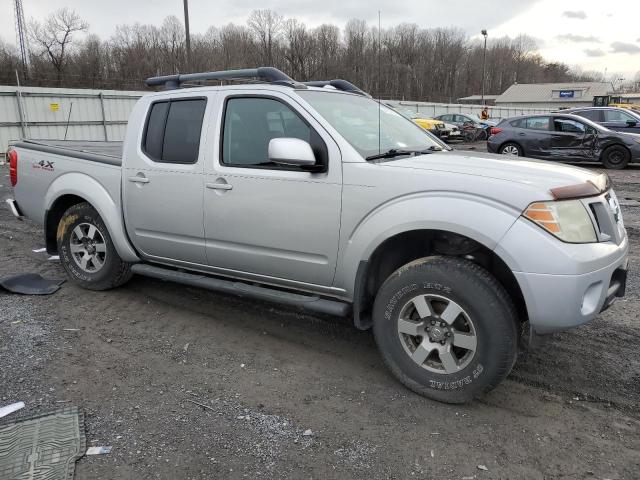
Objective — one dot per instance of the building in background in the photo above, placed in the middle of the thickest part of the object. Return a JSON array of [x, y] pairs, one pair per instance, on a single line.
[[477, 100], [553, 95]]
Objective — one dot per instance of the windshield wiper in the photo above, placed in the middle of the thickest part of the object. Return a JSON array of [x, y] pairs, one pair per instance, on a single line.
[[396, 152]]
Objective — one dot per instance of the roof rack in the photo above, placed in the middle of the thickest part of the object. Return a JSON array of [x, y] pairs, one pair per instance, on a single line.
[[267, 74], [338, 84]]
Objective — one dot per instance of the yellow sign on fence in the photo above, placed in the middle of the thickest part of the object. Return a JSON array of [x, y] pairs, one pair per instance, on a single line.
[[54, 107]]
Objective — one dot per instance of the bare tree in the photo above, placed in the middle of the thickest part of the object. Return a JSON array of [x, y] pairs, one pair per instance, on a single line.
[[266, 25], [54, 36]]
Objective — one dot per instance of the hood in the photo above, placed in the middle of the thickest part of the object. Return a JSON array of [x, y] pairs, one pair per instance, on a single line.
[[538, 175]]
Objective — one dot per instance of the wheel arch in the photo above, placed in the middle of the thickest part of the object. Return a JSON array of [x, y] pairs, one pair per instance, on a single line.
[[65, 192], [412, 245]]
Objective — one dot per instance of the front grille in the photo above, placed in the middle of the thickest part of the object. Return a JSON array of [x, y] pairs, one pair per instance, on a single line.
[[607, 217]]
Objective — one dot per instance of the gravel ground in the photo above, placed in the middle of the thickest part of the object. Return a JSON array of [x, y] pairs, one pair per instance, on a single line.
[[187, 384]]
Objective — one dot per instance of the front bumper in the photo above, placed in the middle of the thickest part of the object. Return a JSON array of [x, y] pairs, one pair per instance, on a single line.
[[560, 302]]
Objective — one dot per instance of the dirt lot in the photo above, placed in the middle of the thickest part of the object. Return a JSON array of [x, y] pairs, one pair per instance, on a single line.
[[135, 359]]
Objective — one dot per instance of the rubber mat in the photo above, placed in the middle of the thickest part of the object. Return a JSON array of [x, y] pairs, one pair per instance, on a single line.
[[30, 284], [42, 447]]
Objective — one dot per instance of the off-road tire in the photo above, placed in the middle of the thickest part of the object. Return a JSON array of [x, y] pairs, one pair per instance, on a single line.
[[113, 273], [487, 304], [616, 157]]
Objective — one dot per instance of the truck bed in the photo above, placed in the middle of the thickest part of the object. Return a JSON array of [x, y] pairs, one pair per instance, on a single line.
[[103, 152]]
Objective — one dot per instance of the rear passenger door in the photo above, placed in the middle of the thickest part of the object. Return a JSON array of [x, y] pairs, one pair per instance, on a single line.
[[163, 182], [534, 135]]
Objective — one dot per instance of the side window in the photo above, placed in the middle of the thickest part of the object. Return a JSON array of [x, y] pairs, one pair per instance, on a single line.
[[172, 133], [568, 126], [520, 123], [617, 116], [251, 122], [591, 115], [537, 123]]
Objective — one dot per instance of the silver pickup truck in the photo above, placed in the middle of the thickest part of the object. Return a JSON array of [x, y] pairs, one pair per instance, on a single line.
[[315, 195]]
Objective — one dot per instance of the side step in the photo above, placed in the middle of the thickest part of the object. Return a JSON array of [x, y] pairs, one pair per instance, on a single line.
[[308, 302]]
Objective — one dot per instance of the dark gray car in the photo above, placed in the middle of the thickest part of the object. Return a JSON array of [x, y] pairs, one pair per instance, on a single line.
[[564, 137], [614, 118]]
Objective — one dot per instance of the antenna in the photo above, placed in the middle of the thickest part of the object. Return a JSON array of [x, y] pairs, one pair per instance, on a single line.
[[379, 94]]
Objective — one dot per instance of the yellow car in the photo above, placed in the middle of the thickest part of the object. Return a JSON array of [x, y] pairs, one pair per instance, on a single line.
[[437, 127]]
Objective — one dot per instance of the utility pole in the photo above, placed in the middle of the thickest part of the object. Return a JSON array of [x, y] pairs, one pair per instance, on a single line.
[[484, 63], [186, 28], [21, 38]]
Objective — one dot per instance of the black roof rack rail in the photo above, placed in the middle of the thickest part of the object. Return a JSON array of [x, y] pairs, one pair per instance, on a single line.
[[338, 84], [267, 74]]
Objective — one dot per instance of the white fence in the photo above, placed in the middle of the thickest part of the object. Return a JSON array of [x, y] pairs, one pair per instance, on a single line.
[[63, 113], [430, 110], [79, 114]]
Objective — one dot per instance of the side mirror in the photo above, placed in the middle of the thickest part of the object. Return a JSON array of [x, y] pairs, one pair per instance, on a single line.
[[631, 123], [291, 152]]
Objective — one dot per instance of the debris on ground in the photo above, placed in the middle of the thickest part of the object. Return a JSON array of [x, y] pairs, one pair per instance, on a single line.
[[9, 409], [98, 450]]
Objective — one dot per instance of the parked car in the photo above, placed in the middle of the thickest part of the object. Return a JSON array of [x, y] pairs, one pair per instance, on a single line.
[[614, 118], [436, 127], [454, 132], [471, 128], [564, 137], [322, 199]]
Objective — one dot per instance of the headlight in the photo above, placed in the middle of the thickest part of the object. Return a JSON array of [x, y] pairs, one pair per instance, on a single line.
[[567, 219]]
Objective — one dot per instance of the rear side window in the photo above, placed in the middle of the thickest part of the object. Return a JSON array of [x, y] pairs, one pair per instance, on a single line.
[[537, 123], [172, 133], [594, 115]]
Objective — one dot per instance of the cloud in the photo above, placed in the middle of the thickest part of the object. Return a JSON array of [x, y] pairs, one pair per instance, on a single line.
[[579, 14], [622, 47], [596, 52], [570, 37]]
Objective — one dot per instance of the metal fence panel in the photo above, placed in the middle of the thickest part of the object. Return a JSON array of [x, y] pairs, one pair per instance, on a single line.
[[59, 113]]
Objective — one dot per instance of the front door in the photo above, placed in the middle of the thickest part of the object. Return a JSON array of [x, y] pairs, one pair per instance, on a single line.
[[567, 140], [263, 220], [621, 121], [163, 183]]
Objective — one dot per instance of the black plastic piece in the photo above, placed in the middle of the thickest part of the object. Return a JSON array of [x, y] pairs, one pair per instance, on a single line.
[[266, 74], [338, 84], [30, 284], [308, 302]]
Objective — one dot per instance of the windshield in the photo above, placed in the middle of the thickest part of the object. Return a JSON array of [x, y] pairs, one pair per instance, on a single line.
[[356, 119]]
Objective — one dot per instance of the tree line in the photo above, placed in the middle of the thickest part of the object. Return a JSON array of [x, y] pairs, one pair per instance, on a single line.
[[405, 61]]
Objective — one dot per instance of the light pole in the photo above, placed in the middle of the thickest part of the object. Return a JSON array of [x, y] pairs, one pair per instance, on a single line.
[[188, 36], [484, 62]]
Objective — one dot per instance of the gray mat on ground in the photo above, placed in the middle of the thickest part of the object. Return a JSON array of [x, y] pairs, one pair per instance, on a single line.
[[30, 284], [42, 447]]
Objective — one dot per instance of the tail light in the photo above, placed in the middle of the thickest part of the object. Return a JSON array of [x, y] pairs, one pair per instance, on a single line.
[[495, 130], [13, 167]]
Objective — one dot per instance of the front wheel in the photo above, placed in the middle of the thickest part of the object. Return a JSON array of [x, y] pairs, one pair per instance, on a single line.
[[446, 328], [616, 157], [87, 252]]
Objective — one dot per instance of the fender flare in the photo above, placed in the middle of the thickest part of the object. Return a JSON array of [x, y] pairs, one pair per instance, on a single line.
[[478, 218], [94, 193]]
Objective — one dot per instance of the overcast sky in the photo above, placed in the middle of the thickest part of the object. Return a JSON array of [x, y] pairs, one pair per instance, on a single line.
[[591, 34]]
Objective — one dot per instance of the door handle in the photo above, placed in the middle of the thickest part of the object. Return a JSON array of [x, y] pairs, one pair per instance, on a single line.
[[219, 186], [137, 179], [522, 134]]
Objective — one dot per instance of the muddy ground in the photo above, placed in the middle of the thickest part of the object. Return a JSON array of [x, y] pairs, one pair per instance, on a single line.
[[141, 358]]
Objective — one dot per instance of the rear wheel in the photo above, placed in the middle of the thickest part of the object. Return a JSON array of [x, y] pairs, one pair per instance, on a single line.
[[511, 149], [616, 157], [446, 328], [87, 252]]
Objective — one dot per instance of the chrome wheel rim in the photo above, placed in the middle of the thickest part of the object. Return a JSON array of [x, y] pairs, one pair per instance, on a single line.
[[437, 334], [510, 150], [88, 248]]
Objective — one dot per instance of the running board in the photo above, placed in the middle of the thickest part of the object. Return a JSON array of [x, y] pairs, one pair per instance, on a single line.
[[308, 302]]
